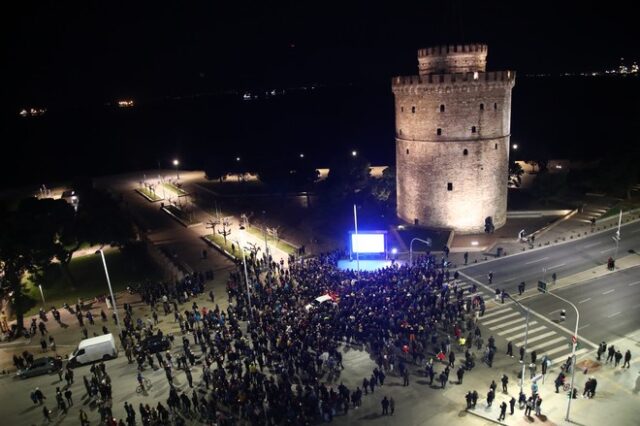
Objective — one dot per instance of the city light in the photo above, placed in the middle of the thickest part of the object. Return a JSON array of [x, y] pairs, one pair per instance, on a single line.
[[514, 146], [301, 155], [176, 162], [474, 243], [237, 158], [394, 250], [354, 153]]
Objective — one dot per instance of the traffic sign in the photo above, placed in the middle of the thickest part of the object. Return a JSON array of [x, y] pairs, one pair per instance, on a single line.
[[574, 339]]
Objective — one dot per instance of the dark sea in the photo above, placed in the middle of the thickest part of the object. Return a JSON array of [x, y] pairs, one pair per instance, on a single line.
[[552, 117]]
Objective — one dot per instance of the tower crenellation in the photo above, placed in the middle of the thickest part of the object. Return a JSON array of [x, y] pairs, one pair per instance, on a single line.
[[452, 139]]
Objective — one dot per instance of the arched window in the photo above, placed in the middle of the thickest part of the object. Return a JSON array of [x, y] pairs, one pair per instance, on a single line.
[[495, 106], [496, 146], [465, 152], [449, 186], [481, 107], [473, 129], [413, 110], [442, 108], [439, 132], [401, 109], [407, 152]]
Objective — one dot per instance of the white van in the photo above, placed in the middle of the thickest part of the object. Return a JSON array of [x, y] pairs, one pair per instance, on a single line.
[[94, 349], [319, 301]]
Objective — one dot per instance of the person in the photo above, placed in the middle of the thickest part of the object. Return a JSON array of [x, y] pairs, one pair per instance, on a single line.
[[521, 354], [512, 404], [521, 288], [466, 257], [460, 374], [84, 419], [538, 405], [610, 353], [601, 350], [385, 406], [618, 356], [47, 414], [544, 363], [510, 348], [140, 380], [530, 404], [467, 398], [559, 381], [627, 359], [68, 395], [554, 277], [534, 357], [405, 378], [490, 397], [505, 381], [503, 411], [490, 276]]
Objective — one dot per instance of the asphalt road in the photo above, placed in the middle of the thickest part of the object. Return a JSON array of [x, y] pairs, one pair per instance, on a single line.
[[562, 259], [609, 307]]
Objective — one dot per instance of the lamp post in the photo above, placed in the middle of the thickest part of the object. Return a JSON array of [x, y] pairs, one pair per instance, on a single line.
[[113, 299], [526, 335], [42, 295], [246, 275], [411, 248], [617, 236], [177, 163], [574, 340]]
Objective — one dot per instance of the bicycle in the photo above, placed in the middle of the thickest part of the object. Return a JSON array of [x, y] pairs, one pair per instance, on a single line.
[[143, 385]]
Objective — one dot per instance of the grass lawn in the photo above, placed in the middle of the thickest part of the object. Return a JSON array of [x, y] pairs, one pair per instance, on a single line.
[[129, 266], [625, 206], [235, 250], [281, 245], [152, 195], [181, 214], [171, 187]]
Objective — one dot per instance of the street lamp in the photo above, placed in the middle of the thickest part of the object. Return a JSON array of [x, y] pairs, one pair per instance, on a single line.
[[301, 155], [514, 146], [246, 275], [42, 294], [177, 163], [113, 299], [427, 242], [354, 153], [574, 340]]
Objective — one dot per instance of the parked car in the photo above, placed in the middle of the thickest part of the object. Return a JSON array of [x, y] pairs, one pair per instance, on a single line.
[[156, 343], [40, 366]]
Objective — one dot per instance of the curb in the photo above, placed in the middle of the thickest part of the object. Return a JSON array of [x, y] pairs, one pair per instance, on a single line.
[[151, 200], [490, 419], [182, 222], [219, 248]]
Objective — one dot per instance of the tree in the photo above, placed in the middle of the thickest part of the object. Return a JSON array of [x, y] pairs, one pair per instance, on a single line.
[[383, 189], [348, 177], [549, 185], [515, 174]]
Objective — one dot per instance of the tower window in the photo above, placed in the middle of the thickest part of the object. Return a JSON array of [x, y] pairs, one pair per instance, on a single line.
[[495, 106], [442, 108], [413, 110], [407, 152], [465, 152], [473, 129], [449, 186], [439, 132], [496, 146], [401, 109], [481, 107]]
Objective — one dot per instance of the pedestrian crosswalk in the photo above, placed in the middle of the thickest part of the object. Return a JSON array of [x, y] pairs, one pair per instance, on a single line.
[[510, 324]]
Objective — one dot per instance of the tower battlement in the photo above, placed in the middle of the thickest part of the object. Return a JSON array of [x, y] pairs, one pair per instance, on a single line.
[[476, 77], [450, 59]]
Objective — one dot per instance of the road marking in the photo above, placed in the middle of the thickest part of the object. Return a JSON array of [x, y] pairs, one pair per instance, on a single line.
[[609, 291], [554, 350], [493, 314], [540, 337], [562, 359], [521, 335], [547, 344], [553, 312], [506, 324], [511, 330], [593, 244], [634, 283], [613, 315], [500, 319], [637, 230], [557, 266], [584, 326], [536, 261], [609, 249], [585, 300]]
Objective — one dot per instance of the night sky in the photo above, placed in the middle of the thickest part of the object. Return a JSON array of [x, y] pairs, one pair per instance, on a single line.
[[61, 52]]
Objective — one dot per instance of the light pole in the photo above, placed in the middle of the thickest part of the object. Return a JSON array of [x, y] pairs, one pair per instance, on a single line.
[[617, 236], [574, 340], [177, 163], [44, 304], [411, 248], [526, 335], [246, 275], [113, 299]]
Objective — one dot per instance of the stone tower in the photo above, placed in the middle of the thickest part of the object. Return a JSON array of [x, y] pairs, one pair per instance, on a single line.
[[452, 140]]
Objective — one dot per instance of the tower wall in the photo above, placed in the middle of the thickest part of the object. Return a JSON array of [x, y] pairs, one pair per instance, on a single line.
[[452, 148]]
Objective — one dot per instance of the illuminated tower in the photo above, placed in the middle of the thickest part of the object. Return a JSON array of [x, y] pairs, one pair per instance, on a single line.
[[452, 140]]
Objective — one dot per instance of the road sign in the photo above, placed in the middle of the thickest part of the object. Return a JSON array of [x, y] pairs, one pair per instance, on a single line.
[[542, 286], [574, 339]]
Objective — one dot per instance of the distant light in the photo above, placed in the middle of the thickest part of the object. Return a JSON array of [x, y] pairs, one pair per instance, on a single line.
[[394, 250], [176, 162], [474, 243], [400, 227], [558, 166], [237, 158], [514, 146], [476, 75], [301, 155], [354, 153]]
